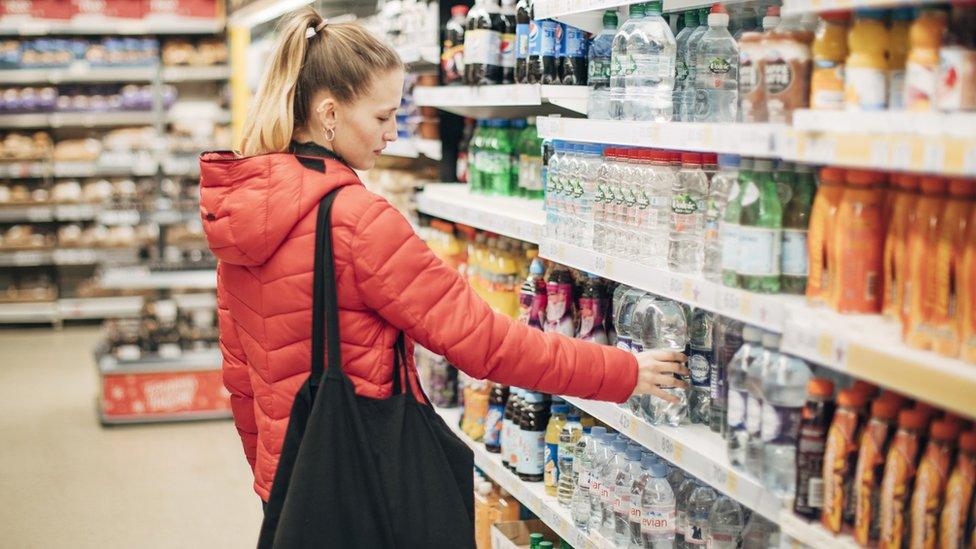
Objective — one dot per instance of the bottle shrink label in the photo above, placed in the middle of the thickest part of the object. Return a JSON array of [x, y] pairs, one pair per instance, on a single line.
[[483, 47]]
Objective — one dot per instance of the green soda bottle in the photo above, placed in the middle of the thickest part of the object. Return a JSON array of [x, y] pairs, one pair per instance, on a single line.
[[518, 126], [504, 152], [530, 161], [475, 176], [535, 539], [489, 145], [729, 227], [796, 221], [760, 231]]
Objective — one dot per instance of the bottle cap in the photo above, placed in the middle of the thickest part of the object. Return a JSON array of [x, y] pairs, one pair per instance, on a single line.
[[902, 14], [537, 268], [718, 16], [730, 160], [659, 470], [912, 419], [870, 13], [560, 409], [832, 175], [762, 165], [484, 488], [647, 460], [610, 19], [964, 188], [652, 7], [691, 18], [636, 10], [820, 387], [885, 409], [572, 416], [620, 446], [770, 340], [545, 545], [926, 409], [459, 10], [598, 431], [895, 397], [751, 334], [864, 177], [709, 159], [633, 454], [535, 537], [691, 158], [944, 430], [967, 441], [869, 389], [851, 399], [905, 181]]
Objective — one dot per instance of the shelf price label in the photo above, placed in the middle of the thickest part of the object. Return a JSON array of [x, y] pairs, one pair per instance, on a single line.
[[628, 423], [670, 449]]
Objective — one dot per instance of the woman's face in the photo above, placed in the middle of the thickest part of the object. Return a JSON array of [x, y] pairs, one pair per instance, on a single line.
[[364, 126]]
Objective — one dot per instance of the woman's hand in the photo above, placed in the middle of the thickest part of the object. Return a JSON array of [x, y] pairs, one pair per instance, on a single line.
[[655, 371]]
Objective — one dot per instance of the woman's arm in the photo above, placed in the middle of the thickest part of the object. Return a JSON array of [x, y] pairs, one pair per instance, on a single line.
[[237, 376], [400, 278]]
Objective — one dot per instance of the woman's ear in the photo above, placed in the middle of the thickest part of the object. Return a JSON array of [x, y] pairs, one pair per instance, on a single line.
[[325, 113]]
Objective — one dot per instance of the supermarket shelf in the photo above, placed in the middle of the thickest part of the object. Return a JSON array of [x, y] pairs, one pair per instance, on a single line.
[[111, 26], [261, 11], [77, 119], [757, 140], [141, 278], [588, 14], [78, 72], [187, 361], [99, 307], [514, 217], [531, 495], [504, 101], [161, 418], [797, 532], [693, 448], [67, 256], [219, 117], [765, 311], [798, 7], [871, 348], [44, 312], [414, 148], [196, 74], [419, 56], [139, 166], [11, 213], [24, 169]]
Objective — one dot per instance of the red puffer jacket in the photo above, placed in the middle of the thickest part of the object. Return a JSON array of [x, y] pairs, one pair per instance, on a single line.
[[259, 216]]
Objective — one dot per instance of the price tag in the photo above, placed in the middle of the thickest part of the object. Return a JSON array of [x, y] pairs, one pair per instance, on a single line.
[[934, 158], [879, 152], [901, 153], [38, 214], [745, 304], [624, 420], [670, 449], [720, 476], [731, 301], [825, 346], [26, 259], [75, 257]]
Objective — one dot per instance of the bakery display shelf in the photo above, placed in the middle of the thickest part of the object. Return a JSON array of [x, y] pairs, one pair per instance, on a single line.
[[78, 72], [504, 101], [185, 361], [765, 311], [693, 448], [221, 116], [29, 312], [756, 140], [18, 213], [76, 119], [99, 307], [532, 495], [797, 532], [24, 169], [514, 217], [141, 166], [179, 73], [142, 278], [110, 26]]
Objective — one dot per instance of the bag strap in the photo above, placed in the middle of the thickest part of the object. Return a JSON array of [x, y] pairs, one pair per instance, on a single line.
[[325, 307]]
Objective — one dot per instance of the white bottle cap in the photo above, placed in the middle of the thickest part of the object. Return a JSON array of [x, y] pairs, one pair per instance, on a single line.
[[770, 22], [718, 20]]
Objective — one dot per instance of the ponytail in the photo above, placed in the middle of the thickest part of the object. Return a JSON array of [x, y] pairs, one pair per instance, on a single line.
[[310, 56]]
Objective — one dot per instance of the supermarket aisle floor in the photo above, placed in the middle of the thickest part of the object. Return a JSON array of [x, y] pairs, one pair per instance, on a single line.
[[68, 482]]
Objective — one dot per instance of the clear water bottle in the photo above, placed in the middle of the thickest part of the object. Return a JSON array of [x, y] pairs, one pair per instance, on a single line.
[[552, 185], [682, 496], [700, 504], [630, 471], [681, 61], [658, 510], [691, 61], [649, 83], [588, 165], [784, 394], [660, 186], [601, 457], [586, 447], [760, 533], [757, 372], [598, 68], [648, 459], [724, 524], [602, 200], [738, 395], [569, 436], [719, 191], [727, 338], [686, 246], [620, 63], [570, 176], [630, 182], [614, 473], [666, 327], [717, 74], [700, 363]]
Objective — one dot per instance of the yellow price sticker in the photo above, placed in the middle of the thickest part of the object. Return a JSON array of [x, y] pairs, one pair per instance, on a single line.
[[732, 484], [825, 346]]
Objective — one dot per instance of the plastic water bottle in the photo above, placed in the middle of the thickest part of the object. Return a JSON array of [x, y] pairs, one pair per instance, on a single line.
[[628, 473], [552, 183], [660, 186], [586, 189], [658, 510], [700, 363], [731, 225], [738, 395], [681, 61], [598, 68], [649, 82], [613, 474], [757, 372], [569, 435], [700, 504], [620, 63], [784, 394], [727, 338], [760, 533], [691, 61], [719, 191], [601, 456], [682, 496], [686, 248], [586, 447], [635, 540], [717, 73], [665, 327], [724, 524]]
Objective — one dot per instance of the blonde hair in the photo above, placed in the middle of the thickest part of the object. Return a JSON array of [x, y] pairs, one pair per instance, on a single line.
[[310, 56]]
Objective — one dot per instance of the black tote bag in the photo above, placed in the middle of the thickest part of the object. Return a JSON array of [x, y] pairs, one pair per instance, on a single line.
[[356, 472]]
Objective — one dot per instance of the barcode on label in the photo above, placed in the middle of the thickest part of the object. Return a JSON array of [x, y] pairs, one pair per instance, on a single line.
[[815, 497]]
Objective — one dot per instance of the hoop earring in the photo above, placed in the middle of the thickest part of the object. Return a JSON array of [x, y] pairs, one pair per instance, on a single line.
[[330, 134]]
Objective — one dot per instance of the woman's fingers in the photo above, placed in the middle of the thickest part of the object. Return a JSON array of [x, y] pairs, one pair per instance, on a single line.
[[671, 368], [664, 395], [667, 380], [667, 356]]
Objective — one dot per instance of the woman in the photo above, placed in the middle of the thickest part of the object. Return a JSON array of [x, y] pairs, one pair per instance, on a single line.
[[326, 106]]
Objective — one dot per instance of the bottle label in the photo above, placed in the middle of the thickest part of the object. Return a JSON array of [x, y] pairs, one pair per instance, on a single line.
[[698, 365], [645, 65], [551, 38], [778, 76], [482, 46], [794, 258], [729, 235], [694, 534], [747, 77], [575, 43], [621, 501], [591, 318], [623, 343], [759, 251], [957, 79], [722, 538], [559, 314], [737, 409], [493, 424], [827, 86], [683, 204], [452, 61], [585, 480], [780, 424], [754, 416], [719, 65], [550, 473], [920, 84], [507, 46], [522, 40], [533, 445], [864, 88], [658, 520], [598, 72]]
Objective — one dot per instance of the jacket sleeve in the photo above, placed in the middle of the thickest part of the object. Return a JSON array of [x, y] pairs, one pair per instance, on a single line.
[[400, 278], [237, 377]]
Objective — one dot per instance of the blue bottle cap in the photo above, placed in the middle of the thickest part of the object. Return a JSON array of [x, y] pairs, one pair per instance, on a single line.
[[620, 446], [633, 454], [573, 416], [598, 431], [871, 13], [730, 160], [537, 268], [659, 470], [560, 409]]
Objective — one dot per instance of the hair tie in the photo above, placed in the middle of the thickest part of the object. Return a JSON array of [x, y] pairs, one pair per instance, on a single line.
[[322, 25], [312, 31]]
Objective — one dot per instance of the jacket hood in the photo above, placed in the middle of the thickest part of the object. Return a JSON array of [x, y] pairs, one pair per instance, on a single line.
[[249, 205]]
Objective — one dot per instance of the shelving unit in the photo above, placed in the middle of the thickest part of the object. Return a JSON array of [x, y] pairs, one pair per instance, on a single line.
[[588, 14], [797, 532], [141, 278], [504, 101], [517, 218], [414, 147], [798, 7]]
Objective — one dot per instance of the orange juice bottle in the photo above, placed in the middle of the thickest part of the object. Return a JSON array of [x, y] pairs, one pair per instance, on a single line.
[[958, 495], [485, 509], [930, 483], [943, 324], [829, 54], [896, 244], [859, 245], [922, 65], [820, 236], [901, 20], [870, 468], [966, 298], [899, 478], [923, 239], [840, 459], [866, 70]]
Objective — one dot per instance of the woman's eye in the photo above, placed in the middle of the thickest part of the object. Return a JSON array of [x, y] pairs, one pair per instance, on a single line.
[[383, 118]]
